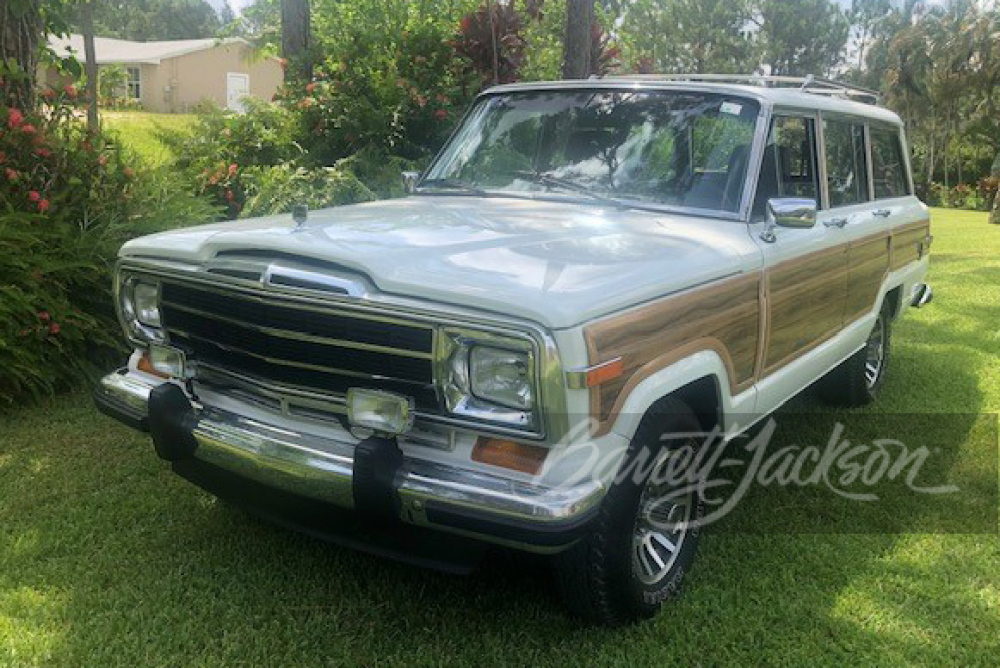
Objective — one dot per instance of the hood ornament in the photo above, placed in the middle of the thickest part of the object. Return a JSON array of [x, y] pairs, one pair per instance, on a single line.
[[300, 212]]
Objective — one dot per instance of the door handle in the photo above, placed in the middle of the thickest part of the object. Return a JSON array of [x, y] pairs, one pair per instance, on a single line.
[[881, 213], [835, 222]]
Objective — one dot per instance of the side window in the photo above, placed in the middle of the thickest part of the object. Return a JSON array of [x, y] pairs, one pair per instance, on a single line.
[[789, 165], [888, 169], [846, 169]]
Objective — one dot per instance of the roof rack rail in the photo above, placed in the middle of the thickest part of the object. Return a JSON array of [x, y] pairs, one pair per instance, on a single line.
[[808, 84]]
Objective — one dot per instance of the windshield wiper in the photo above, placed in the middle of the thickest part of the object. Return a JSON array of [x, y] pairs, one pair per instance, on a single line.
[[551, 181], [453, 184]]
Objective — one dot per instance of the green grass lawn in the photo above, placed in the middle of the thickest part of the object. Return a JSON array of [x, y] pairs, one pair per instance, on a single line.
[[107, 559], [138, 130]]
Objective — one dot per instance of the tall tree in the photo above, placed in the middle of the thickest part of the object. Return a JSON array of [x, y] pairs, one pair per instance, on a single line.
[[577, 47], [296, 37], [22, 29], [697, 36], [801, 37], [152, 20], [90, 66]]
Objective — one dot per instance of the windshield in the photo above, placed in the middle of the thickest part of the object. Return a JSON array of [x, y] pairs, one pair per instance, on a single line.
[[680, 149]]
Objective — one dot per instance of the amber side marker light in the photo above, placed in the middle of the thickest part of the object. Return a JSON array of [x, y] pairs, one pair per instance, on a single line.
[[509, 454]]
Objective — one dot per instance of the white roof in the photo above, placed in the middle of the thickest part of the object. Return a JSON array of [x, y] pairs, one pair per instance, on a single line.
[[120, 51]]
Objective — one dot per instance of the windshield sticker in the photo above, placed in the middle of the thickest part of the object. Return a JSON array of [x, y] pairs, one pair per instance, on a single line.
[[733, 108]]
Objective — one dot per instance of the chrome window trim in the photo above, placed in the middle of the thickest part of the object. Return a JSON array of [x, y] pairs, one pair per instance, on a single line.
[[553, 421]]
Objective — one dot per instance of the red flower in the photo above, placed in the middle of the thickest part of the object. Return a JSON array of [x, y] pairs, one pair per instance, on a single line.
[[43, 205], [310, 87], [229, 195], [232, 169], [14, 117], [44, 152], [34, 196], [28, 129], [3, 157], [12, 174], [440, 114], [70, 90], [54, 329], [49, 94], [128, 172], [44, 316]]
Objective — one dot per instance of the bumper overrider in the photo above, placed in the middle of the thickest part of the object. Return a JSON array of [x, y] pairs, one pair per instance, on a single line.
[[367, 494]]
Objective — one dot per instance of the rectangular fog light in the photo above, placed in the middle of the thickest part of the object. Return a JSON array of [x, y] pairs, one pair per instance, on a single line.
[[384, 412]]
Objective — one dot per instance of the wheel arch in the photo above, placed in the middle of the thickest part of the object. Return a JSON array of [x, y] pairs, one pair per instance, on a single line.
[[701, 381]]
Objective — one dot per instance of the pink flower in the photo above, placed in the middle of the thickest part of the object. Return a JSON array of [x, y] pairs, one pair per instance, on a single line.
[[34, 196], [44, 316], [3, 157], [54, 329], [310, 87], [43, 205], [28, 129], [14, 117], [12, 174], [44, 152], [232, 169], [70, 90], [440, 114]]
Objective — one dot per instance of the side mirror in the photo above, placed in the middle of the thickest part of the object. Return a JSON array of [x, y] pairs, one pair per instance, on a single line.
[[792, 212], [410, 180]]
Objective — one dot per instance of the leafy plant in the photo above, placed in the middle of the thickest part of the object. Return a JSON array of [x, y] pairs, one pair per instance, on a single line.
[[68, 200], [492, 41]]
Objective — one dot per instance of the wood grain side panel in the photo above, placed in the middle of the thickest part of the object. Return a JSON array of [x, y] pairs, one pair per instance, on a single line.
[[805, 302], [906, 243], [869, 263], [724, 317]]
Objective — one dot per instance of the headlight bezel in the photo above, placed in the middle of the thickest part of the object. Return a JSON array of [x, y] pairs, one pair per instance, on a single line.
[[136, 331], [454, 378]]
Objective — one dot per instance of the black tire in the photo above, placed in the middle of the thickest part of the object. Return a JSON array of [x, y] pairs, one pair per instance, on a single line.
[[850, 384], [601, 579]]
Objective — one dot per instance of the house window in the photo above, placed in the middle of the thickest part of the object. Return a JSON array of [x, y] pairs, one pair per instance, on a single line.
[[133, 84]]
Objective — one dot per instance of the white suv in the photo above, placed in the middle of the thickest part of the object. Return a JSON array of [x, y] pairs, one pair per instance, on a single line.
[[585, 267]]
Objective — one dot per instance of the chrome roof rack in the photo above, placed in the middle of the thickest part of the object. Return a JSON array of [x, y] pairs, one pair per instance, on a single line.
[[807, 84]]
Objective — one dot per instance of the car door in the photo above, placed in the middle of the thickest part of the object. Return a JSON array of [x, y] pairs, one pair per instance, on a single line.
[[852, 209], [805, 269]]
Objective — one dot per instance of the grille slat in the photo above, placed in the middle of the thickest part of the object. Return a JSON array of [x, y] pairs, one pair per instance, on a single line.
[[301, 346]]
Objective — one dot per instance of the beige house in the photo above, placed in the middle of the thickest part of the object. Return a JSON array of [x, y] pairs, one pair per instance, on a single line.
[[176, 75]]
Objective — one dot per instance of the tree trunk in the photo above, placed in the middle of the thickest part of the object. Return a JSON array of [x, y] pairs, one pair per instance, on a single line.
[[995, 173], [90, 63], [295, 37], [21, 32], [576, 48]]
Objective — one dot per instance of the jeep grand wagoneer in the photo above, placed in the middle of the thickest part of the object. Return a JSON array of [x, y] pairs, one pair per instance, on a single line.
[[589, 272]]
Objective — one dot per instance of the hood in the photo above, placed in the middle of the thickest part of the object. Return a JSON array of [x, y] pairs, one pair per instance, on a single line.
[[555, 263]]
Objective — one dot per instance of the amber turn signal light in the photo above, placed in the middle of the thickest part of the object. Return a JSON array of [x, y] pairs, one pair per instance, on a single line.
[[509, 454], [146, 365]]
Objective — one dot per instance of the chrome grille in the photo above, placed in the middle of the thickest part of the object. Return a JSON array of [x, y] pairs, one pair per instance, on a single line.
[[327, 351]]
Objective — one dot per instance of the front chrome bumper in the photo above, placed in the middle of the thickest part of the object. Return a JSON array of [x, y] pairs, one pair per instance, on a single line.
[[487, 507]]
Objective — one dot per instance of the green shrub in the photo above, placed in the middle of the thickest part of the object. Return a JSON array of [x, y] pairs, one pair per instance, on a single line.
[[68, 201], [271, 190]]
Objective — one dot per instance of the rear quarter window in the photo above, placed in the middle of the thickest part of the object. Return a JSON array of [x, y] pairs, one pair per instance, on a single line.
[[888, 167]]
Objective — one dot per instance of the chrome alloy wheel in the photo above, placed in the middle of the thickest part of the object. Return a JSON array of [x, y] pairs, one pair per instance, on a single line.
[[660, 527], [875, 353]]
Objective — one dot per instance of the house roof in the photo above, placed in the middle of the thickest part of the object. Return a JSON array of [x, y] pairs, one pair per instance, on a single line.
[[120, 51]]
